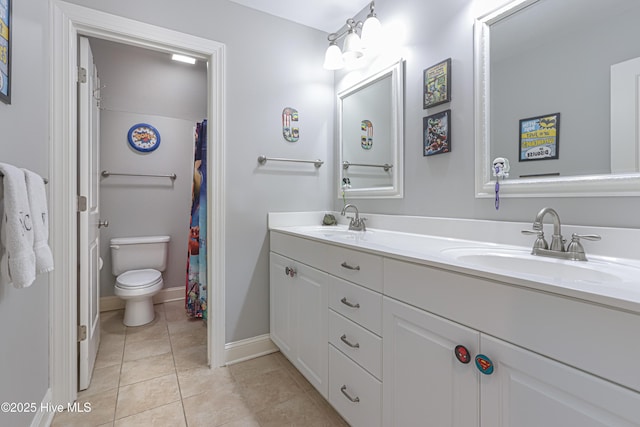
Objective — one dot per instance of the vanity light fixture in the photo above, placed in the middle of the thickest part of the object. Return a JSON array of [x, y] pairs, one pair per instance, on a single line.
[[355, 46], [183, 58]]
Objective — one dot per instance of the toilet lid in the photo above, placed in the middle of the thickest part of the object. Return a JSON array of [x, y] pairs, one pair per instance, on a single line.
[[138, 278]]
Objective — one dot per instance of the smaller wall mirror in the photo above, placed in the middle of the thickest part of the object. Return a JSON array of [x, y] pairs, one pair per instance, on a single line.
[[370, 133]]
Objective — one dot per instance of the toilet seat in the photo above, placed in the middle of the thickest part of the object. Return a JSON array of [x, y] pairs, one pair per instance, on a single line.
[[139, 279]]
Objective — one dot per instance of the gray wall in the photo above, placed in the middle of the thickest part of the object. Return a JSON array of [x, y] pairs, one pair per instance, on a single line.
[[24, 313], [270, 64], [144, 86], [430, 33]]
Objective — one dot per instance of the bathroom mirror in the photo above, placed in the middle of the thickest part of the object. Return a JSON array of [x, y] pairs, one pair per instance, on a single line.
[[579, 58], [370, 135]]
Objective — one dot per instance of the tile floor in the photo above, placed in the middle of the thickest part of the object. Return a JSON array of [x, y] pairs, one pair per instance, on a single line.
[[156, 375]]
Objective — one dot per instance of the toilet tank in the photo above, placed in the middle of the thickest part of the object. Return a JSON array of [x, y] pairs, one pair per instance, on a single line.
[[135, 253]]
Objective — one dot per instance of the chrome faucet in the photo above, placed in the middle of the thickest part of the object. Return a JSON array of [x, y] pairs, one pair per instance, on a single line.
[[557, 241], [574, 251], [356, 222]]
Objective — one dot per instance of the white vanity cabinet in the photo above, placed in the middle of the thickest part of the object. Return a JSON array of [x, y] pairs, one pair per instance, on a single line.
[[376, 334], [298, 314], [425, 384]]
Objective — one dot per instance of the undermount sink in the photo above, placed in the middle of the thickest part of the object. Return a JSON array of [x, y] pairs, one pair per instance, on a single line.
[[521, 261]]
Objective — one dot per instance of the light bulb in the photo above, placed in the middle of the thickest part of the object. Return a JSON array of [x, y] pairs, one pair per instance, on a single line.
[[371, 33], [333, 58], [352, 48]]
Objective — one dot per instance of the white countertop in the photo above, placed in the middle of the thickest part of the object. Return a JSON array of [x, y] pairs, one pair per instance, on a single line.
[[609, 281]]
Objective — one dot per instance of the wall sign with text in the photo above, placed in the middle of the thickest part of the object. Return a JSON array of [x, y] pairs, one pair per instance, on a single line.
[[539, 137]]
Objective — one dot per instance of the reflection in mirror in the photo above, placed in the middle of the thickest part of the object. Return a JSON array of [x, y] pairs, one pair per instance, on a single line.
[[370, 129], [574, 57]]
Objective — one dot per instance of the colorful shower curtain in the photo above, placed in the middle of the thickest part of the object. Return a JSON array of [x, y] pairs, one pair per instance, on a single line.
[[196, 288]]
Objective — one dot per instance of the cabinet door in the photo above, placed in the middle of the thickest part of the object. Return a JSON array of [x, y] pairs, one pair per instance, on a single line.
[[529, 390], [282, 298], [423, 382], [311, 325]]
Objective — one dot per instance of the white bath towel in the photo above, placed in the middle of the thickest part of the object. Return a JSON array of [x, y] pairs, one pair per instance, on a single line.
[[40, 216], [18, 261]]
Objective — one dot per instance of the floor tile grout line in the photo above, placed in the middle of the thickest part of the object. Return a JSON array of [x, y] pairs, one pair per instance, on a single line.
[[175, 367]]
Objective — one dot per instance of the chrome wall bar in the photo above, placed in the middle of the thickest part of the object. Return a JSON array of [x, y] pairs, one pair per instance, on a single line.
[[46, 181], [263, 159], [386, 167], [107, 174]]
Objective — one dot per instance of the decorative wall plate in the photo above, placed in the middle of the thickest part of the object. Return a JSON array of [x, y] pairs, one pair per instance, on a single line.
[[290, 127], [144, 137]]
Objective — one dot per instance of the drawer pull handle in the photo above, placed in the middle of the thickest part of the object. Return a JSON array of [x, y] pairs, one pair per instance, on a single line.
[[348, 304], [350, 267], [346, 341], [343, 389], [290, 271]]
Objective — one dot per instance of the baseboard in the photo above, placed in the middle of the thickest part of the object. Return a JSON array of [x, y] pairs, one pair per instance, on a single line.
[[44, 417], [239, 351], [165, 295]]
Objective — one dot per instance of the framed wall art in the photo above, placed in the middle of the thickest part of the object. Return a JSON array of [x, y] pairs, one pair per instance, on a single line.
[[5, 51], [437, 84], [437, 133], [539, 137]]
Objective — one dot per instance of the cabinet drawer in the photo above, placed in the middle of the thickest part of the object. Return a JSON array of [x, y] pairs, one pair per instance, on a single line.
[[359, 267], [355, 393], [302, 250], [356, 303], [356, 342]]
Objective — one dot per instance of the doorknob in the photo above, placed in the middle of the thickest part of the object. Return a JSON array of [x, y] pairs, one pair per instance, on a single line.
[[102, 223]]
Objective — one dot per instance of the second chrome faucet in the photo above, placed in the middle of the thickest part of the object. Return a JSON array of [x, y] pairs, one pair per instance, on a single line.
[[356, 222], [574, 251]]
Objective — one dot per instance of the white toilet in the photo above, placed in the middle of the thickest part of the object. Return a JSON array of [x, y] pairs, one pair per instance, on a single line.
[[138, 262]]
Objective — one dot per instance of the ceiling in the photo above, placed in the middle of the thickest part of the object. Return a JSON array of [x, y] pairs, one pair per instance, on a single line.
[[326, 15]]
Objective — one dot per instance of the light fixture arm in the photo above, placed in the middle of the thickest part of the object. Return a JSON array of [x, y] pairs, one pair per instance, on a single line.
[[351, 26], [372, 10]]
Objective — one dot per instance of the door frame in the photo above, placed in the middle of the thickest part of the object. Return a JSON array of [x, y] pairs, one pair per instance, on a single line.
[[67, 22]]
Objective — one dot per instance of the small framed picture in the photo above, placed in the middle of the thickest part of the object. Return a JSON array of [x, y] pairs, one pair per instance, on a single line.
[[437, 84], [437, 133], [5, 51], [539, 137]]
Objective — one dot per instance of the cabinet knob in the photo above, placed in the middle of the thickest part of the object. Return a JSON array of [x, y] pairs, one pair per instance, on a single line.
[[462, 354], [343, 389], [290, 271], [484, 364]]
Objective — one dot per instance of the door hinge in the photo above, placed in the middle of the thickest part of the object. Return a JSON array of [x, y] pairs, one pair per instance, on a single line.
[[82, 204], [82, 75], [82, 332]]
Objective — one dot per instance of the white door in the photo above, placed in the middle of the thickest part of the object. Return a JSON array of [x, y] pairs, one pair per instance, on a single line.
[[424, 384], [88, 219], [529, 390], [311, 320], [625, 117], [282, 299]]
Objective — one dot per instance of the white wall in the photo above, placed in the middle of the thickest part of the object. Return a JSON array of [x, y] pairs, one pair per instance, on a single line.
[[24, 313], [429, 32], [143, 86]]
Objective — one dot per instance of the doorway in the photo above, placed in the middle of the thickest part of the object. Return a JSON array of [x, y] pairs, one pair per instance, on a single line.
[[68, 22]]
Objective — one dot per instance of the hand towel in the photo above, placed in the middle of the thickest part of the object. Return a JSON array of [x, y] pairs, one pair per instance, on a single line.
[[37, 197], [18, 261]]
